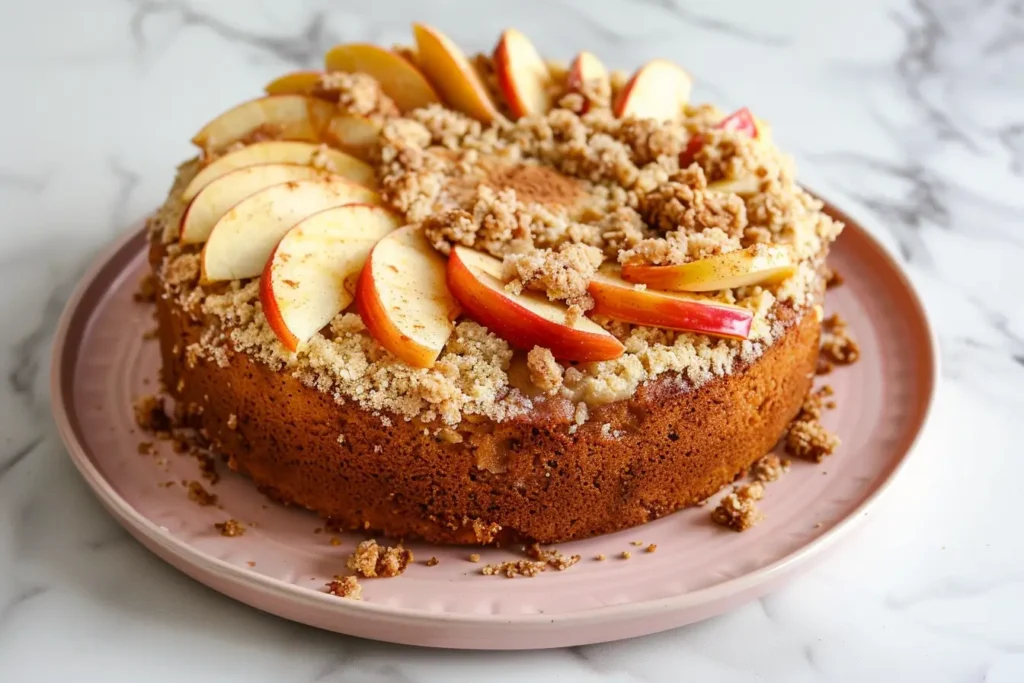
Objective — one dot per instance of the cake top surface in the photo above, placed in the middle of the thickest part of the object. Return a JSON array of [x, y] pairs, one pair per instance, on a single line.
[[578, 211]]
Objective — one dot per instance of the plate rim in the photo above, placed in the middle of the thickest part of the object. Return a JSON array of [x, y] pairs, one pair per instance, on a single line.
[[60, 365]]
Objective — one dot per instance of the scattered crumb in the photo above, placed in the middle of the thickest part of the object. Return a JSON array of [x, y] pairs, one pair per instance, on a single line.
[[345, 587], [230, 528], [318, 530], [335, 541], [824, 366], [652, 548], [837, 344], [514, 568], [545, 372], [552, 557], [151, 333], [432, 562], [232, 423], [769, 468], [738, 510], [626, 554], [636, 543], [372, 560], [145, 448], [251, 563], [200, 495], [808, 439], [475, 557], [150, 415], [600, 557]]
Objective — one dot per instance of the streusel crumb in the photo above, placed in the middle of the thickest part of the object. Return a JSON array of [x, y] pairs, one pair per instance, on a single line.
[[345, 587], [738, 510], [514, 568], [199, 495], [545, 372], [357, 93], [432, 562], [552, 557], [809, 440], [562, 274], [837, 344], [769, 468], [230, 528], [372, 560]]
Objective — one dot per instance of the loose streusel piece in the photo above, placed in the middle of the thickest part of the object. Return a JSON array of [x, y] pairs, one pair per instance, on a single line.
[[432, 562], [769, 468], [230, 528], [200, 495], [345, 587], [372, 560], [545, 372], [514, 568], [738, 510], [150, 414], [562, 275], [554, 558], [837, 344], [809, 440]]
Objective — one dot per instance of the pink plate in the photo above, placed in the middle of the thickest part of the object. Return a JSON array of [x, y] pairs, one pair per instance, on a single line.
[[101, 363]]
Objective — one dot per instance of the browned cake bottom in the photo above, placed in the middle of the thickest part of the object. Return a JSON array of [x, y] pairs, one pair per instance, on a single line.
[[527, 478]]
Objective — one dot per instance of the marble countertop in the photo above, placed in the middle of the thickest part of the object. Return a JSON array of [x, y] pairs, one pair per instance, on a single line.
[[908, 112]]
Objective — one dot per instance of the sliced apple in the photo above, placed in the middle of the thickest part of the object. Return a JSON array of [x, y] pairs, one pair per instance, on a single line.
[[523, 77], [658, 90], [357, 135], [306, 281], [587, 74], [741, 120], [295, 83], [447, 68], [398, 78], [524, 320], [217, 198], [282, 152], [242, 240], [758, 264], [403, 299], [282, 117], [620, 300]]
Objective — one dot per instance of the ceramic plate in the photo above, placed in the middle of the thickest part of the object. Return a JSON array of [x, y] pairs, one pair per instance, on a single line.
[[102, 362]]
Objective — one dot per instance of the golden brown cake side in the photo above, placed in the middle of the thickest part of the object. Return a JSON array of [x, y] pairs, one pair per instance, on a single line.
[[632, 461]]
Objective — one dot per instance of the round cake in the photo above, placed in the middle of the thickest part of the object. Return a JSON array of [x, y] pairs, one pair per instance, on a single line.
[[489, 299]]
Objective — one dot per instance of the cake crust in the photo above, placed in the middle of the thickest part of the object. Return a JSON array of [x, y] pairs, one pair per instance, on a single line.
[[530, 477]]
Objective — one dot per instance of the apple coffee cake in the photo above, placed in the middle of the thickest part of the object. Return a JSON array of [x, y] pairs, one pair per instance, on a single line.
[[492, 298]]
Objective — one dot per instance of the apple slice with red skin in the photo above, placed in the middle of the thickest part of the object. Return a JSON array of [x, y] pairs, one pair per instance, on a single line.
[[740, 120], [587, 74], [621, 300], [400, 80], [283, 117], [758, 264], [282, 152], [305, 282], [218, 197], [243, 239], [403, 299], [448, 70], [658, 90], [522, 75], [524, 320]]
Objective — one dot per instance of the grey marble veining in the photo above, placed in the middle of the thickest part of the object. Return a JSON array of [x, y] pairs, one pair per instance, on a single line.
[[909, 113]]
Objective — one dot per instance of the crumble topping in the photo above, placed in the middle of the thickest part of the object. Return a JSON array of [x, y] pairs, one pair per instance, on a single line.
[[199, 495], [513, 568], [545, 372], [372, 560], [356, 93], [738, 510], [562, 274], [345, 587], [547, 194]]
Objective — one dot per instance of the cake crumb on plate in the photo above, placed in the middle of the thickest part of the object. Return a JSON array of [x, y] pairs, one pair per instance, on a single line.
[[345, 587], [372, 560]]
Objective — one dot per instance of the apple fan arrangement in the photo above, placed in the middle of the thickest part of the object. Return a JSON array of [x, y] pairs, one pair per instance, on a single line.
[[321, 240]]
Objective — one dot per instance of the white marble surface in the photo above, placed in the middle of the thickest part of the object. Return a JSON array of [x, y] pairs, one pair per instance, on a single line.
[[911, 112]]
